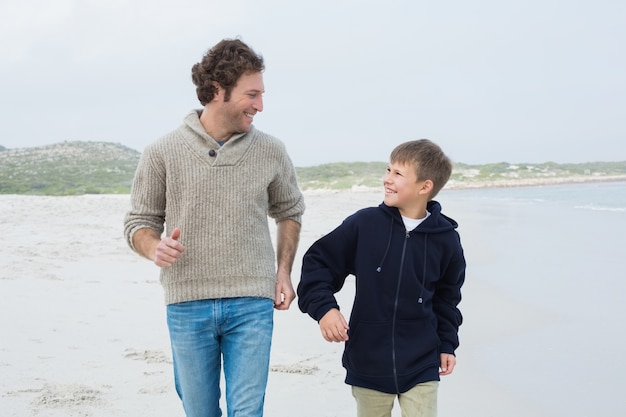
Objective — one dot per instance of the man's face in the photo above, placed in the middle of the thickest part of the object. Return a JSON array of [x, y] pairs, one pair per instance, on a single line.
[[246, 99]]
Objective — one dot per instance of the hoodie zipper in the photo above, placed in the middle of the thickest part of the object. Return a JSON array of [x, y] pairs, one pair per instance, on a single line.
[[395, 310]]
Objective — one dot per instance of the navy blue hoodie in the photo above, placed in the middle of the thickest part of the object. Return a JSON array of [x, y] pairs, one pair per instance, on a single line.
[[408, 286]]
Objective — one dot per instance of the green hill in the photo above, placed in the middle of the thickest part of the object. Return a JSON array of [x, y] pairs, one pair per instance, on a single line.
[[369, 174], [68, 168], [73, 168]]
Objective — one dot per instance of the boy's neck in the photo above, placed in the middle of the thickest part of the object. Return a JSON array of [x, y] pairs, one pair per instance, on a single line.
[[416, 212]]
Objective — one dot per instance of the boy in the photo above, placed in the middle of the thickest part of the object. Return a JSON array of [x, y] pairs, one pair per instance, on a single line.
[[409, 267]]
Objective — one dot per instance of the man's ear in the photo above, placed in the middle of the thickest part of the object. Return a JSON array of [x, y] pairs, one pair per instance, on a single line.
[[218, 89]]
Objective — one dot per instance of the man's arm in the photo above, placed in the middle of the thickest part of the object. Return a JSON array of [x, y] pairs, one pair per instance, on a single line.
[[287, 238], [162, 251]]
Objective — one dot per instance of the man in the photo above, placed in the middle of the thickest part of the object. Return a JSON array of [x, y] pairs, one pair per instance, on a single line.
[[211, 184]]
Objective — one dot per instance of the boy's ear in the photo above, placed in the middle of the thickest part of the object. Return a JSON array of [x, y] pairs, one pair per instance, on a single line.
[[427, 187]]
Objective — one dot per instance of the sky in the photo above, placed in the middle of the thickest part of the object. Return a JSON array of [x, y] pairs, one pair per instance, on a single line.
[[346, 80]]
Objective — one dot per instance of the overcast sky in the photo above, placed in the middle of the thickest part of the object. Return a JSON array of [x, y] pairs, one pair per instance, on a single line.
[[346, 80]]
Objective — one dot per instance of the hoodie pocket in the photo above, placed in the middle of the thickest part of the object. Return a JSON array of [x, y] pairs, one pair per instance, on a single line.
[[417, 345], [375, 348], [368, 351]]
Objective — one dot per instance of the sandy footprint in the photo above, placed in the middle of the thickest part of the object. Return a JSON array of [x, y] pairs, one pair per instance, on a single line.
[[149, 356], [73, 399], [296, 368]]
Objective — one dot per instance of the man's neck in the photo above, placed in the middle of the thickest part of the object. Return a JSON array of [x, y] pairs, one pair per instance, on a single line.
[[211, 126]]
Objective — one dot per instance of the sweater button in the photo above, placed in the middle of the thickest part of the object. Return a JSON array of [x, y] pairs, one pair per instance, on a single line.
[[212, 152]]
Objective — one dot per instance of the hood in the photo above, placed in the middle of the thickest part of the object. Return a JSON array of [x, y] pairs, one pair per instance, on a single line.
[[437, 222]]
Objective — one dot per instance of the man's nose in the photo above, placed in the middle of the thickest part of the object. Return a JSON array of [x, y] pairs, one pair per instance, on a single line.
[[258, 104]]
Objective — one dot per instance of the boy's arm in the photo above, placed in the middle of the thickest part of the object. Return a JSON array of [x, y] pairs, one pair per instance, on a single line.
[[325, 266], [446, 299]]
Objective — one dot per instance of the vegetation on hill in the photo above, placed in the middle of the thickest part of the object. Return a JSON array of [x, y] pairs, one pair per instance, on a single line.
[[370, 174], [73, 168], [341, 175], [68, 168]]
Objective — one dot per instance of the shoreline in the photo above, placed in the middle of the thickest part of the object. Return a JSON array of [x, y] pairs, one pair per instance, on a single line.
[[533, 182], [467, 184], [499, 183]]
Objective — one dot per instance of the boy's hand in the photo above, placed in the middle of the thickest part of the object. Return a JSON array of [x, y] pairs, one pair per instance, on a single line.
[[334, 326], [447, 363]]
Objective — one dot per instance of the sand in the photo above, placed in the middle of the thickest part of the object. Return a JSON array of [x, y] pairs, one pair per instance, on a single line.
[[84, 330]]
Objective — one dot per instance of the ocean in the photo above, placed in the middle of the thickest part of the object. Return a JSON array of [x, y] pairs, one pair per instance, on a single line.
[[543, 300]]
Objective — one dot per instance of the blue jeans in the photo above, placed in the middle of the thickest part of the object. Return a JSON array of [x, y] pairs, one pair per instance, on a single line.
[[202, 333]]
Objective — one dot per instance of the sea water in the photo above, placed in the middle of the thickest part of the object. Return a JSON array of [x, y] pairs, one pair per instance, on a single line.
[[600, 196], [544, 299]]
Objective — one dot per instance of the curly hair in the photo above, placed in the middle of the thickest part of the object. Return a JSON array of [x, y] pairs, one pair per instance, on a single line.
[[224, 63], [428, 159]]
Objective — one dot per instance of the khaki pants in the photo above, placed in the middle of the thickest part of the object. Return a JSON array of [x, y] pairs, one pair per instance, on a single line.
[[419, 401]]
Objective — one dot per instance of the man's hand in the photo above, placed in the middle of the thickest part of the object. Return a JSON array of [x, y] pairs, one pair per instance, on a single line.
[[285, 293], [448, 362], [168, 250], [334, 326]]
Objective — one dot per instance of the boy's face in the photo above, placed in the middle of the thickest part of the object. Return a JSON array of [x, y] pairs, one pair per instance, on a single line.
[[402, 190]]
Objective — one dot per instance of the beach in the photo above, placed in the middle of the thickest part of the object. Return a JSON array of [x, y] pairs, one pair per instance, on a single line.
[[84, 330]]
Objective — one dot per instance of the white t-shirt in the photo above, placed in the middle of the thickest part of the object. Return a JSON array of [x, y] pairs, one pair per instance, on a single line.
[[411, 224]]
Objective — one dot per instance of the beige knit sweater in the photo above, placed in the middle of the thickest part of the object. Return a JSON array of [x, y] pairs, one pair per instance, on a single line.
[[221, 204]]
